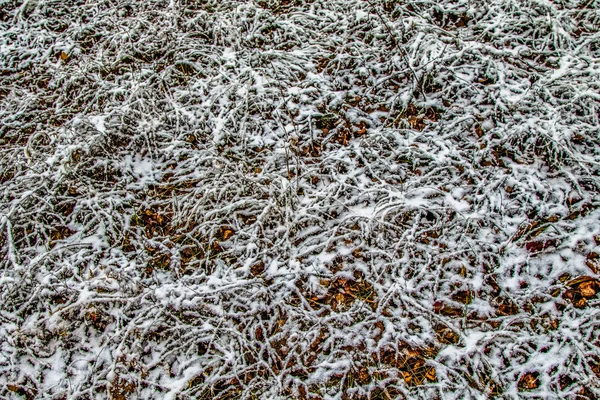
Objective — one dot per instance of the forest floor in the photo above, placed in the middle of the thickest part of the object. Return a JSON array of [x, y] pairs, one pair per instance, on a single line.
[[299, 199]]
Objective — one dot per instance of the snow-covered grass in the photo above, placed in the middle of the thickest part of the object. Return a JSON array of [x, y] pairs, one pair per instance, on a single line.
[[299, 199]]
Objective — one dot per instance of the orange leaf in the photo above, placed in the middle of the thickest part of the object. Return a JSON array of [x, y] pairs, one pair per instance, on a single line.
[[430, 374]]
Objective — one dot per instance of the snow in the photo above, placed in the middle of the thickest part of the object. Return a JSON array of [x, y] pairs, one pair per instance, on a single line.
[[99, 122], [242, 199]]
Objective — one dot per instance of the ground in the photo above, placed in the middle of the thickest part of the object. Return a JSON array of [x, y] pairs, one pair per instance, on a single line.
[[299, 199]]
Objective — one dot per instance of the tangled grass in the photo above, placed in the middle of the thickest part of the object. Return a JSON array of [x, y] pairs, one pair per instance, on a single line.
[[299, 199]]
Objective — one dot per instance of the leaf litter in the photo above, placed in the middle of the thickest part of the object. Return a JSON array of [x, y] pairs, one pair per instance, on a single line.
[[299, 199]]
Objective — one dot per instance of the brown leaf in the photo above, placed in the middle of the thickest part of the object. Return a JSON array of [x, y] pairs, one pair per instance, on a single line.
[[588, 289], [362, 128], [217, 246], [463, 296], [580, 289], [121, 388], [579, 280], [258, 268], [446, 335], [60, 233], [507, 307], [593, 262], [439, 307], [225, 233], [580, 303], [529, 381], [431, 374], [539, 245], [13, 388], [363, 376]]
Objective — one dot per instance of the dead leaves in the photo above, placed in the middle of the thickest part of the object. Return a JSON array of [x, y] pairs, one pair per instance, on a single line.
[[257, 268], [247, 219], [59, 233], [529, 381], [463, 296], [445, 335], [447, 309], [156, 222], [342, 292], [581, 289], [315, 348], [27, 391], [158, 261], [98, 318], [593, 262], [225, 233], [168, 189], [536, 246], [594, 363], [418, 117], [411, 361], [121, 388], [506, 307]]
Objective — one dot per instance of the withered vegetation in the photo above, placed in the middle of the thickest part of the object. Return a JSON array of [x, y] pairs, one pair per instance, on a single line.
[[300, 199]]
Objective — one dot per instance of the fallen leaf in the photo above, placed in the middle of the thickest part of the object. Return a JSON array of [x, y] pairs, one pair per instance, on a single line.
[[588, 289], [529, 381], [431, 374]]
